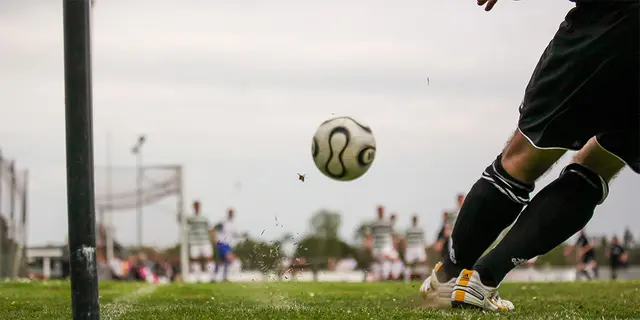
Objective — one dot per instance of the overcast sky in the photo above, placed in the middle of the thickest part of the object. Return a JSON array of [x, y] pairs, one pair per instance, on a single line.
[[233, 91]]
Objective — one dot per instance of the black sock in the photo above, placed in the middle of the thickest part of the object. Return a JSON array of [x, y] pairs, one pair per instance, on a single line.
[[492, 204], [555, 214]]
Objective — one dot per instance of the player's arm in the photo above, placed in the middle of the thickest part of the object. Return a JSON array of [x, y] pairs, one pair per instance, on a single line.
[[404, 240], [624, 256], [437, 246], [569, 249], [586, 249], [212, 232], [395, 240], [368, 239]]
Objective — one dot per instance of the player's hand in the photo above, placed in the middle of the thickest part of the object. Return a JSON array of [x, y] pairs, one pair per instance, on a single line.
[[488, 4]]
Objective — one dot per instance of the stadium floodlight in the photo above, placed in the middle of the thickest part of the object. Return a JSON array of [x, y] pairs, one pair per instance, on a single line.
[[79, 154], [137, 151]]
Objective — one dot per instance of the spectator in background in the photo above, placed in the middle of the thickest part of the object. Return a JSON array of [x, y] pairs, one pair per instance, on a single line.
[[627, 238], [442, 241], [617, 257]]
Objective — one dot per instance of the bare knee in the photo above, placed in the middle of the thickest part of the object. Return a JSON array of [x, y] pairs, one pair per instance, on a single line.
[[525, 162], [599, 160]]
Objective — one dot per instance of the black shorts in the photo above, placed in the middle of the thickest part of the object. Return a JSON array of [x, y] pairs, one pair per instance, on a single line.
[[587, 258], [587, 83]]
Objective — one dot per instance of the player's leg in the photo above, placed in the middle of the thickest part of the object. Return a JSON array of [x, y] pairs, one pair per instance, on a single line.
[[397, 265], [387, 262], [568, 101], [495, 201], [595, 268], [410, 262], [376, 265], [583, 268], [207, 253], [194, 261], [228, 257], [556, 213], [614, 271], [221, 265]]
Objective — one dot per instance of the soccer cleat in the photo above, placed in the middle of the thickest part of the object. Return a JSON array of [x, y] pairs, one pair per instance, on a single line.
[[436, 293], [470, 292]]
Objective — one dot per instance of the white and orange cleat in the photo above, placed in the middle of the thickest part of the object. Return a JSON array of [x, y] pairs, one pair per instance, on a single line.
[[435, 293], [470, 292]]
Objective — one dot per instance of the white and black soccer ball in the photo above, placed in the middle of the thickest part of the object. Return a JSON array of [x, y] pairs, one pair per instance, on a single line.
[[343, 148]]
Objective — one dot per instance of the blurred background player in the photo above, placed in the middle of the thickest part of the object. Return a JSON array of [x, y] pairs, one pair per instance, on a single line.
[[617, 257], [586, 256], [226, 237], [453, 214], [441, 245], [397, 266], [200, 247], [415, 248], [380, 239]]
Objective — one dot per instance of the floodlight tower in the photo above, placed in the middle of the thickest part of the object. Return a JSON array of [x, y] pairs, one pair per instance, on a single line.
[[137, 151]]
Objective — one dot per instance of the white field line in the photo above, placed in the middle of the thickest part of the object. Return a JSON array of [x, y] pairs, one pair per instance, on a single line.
[[122, 305]]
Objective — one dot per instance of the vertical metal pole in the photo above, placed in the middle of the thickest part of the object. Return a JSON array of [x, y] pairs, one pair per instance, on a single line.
[[25, 205], [139, 195], [12, 224], [184, 256], [107, 207], [79, 154], [12, 200]]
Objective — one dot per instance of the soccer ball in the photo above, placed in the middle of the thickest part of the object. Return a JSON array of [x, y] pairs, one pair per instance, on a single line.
[[343, 148]]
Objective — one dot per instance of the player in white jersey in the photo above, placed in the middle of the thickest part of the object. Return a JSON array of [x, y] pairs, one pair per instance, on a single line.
[[226, 238], [379, 238], [199, 236], [415, 252], [397, 265]]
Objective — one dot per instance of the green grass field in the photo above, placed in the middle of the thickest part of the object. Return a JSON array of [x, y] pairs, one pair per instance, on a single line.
[[303, 300]]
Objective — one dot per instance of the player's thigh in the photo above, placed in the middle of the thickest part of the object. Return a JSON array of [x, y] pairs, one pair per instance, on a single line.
[[585, 83], [410, 255], [422, 255], [601, 161], [391, 253], [376, 254], [418, 255], [194, 251], [206, 250], [526, 162]]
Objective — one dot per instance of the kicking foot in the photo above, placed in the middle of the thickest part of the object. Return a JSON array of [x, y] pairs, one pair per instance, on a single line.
[[470, 292], [435, 293]]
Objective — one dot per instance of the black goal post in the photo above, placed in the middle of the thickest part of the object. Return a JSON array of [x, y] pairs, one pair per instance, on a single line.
[[79, 156]]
